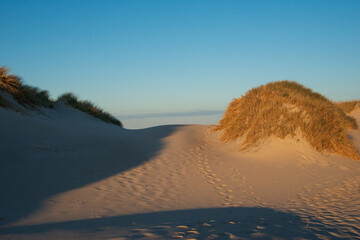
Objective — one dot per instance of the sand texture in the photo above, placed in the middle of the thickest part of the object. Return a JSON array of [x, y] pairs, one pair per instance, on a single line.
[[66, 175]]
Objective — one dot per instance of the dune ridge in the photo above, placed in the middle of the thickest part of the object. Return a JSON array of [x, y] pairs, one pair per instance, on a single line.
[[34, 98]]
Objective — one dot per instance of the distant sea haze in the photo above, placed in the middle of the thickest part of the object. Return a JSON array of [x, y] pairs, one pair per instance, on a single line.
[[136, 121]]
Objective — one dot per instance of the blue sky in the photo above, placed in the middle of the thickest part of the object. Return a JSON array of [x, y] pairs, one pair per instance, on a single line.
[[156, 57]]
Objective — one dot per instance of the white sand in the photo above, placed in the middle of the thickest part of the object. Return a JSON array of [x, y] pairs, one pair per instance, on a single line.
[[66, 175]]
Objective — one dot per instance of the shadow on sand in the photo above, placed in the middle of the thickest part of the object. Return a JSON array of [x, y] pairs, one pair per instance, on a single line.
[[214, 223], [37, 164]]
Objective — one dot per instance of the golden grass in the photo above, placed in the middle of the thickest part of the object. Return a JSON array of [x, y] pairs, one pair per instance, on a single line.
[[280, 109], [348, 106], [9, 83]]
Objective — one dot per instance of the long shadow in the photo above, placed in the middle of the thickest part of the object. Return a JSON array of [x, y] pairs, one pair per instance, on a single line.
[[38, 161], [213, 223]]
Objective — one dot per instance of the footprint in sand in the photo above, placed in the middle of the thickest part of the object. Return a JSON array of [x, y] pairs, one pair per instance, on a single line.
[[204, 167]]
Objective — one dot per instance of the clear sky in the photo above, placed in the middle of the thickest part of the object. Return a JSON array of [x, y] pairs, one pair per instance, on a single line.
[[152, 58]]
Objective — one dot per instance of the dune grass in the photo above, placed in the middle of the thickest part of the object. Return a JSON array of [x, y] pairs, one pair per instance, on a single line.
[[348, 106], [281, 109], [33, 97], [9, 83], [89, 108], [26, 95]]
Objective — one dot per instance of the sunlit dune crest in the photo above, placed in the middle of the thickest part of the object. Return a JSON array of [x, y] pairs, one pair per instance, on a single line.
[[285, 108]]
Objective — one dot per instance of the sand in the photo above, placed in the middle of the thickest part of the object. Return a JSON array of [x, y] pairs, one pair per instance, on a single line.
[[66, 175]]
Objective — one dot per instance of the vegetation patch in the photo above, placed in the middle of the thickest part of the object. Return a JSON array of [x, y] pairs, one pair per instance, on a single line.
[[9, 83], [348, 106], [36, 97], [33, 97], [280, 109], [89, 108], [24, 94]]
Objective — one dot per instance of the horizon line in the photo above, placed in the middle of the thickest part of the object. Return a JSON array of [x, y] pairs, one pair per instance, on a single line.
[[171, 114]]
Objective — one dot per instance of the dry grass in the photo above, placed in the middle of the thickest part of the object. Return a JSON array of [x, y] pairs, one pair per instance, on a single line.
[[280, 109], [26, 95], [89, 108], [33, 97], [348, 106], [9, 83]]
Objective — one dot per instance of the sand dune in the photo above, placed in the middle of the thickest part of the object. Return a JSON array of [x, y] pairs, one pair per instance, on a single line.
[[66, 175]]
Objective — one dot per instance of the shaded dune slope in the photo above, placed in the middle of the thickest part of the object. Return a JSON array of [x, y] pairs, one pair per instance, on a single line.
[[60, 149]]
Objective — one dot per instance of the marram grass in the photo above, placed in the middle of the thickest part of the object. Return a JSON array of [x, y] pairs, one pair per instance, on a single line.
[[89, 108], [26, 95], [281, 109], [348, 106], [9, 83], [33, 97]]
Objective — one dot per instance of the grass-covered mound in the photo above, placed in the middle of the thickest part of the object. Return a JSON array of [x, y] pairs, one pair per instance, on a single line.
[[280, 109], [89, 108]]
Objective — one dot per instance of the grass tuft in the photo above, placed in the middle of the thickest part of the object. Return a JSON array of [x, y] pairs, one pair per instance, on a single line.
[[348, 106], [283, 107], [89, 108], [24, 94], [34, 96], [9, 83]]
